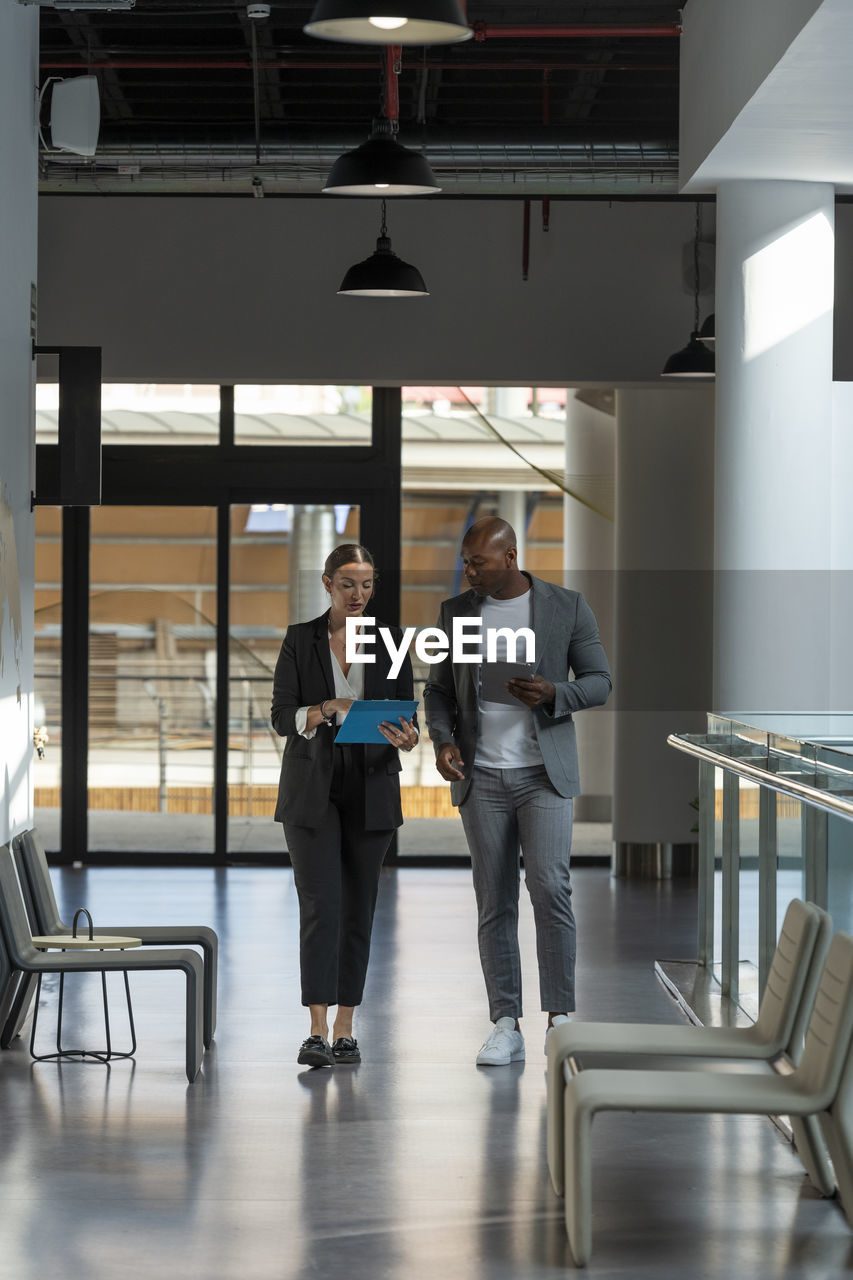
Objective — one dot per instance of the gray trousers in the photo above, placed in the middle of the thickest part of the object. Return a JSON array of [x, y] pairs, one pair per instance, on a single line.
[[505, 808]]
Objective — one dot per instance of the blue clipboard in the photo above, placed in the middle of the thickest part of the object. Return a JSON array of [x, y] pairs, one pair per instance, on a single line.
[[363, 718]]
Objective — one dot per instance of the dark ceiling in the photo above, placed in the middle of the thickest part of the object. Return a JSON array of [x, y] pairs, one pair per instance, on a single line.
[[578, 98]]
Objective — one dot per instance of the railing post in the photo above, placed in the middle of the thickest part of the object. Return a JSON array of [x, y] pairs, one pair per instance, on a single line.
[[767, 860], [731, 885], [707, 863], [816, 855]]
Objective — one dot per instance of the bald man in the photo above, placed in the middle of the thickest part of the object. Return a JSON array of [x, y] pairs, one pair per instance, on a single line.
[[513, 771]]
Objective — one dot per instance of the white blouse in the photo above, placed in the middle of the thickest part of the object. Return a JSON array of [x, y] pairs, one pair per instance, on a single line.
[[351, 686]]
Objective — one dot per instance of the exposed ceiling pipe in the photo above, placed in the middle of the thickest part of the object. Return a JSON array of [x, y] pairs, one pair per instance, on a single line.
[[393, 60], [290, 64], [490, 31]]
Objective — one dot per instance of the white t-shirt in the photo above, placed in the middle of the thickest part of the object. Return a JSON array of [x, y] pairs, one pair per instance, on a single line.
[[507, 737]]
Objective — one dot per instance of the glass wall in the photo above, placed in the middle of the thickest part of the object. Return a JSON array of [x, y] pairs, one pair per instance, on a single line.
[[296, 415], [277, 555], [152, 679], [141, 413], [47, 717], [469, 452]]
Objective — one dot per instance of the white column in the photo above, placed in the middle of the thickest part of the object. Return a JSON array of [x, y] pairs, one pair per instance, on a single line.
[[588, 559], [775, 280], [664, 614], [512, 507], [311, 540], [18, 165]]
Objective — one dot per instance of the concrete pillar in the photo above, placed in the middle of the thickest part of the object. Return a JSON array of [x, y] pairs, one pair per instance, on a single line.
[[664, 617], [312, 538], [775, 281], [588, 560], [18, 218], [512, 507]]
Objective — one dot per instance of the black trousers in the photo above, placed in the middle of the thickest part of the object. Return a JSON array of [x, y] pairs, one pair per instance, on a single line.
[[336, 870]]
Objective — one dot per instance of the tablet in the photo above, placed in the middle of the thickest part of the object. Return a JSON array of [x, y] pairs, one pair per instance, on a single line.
[[493, 678], [362, 721]]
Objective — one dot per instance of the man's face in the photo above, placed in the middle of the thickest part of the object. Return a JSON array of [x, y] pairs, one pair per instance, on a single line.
[[487, 566]]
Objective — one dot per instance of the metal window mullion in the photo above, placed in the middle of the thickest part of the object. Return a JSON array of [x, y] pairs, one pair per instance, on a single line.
[[74, 770], [731, 885]]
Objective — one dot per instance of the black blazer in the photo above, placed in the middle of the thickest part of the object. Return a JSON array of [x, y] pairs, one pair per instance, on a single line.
[[303, 678]]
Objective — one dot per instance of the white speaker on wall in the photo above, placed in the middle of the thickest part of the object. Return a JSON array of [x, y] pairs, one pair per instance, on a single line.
[[75, 115]]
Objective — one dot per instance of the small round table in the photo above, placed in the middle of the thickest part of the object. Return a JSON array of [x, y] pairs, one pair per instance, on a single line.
[[94, 942]]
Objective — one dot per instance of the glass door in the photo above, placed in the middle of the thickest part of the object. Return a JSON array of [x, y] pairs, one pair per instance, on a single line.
[[152, 679], [277, 556]]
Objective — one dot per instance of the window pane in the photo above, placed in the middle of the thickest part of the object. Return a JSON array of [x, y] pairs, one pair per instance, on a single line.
[[296, 415], [141, 413], [475, 471], [277, 555], [48, 673], [152, 678]]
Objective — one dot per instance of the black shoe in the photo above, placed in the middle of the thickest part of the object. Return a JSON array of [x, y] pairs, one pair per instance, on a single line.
[[315, 1052], [346, 1050]]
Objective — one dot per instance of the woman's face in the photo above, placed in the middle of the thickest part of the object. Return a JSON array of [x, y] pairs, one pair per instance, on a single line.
[[350, 588]]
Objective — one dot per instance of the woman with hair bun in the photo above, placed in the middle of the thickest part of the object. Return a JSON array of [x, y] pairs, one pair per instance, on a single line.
[[339, 803]]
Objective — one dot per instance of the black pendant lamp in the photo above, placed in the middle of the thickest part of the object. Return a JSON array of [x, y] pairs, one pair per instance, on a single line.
[[390, 21], [708, 332], [383, 274], [381, 166], [694, 360]]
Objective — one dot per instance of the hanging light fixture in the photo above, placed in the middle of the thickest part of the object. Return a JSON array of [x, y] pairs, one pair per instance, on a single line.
[[381, 166], [694, 360], [708, 332], [390, 21], [383, 274]]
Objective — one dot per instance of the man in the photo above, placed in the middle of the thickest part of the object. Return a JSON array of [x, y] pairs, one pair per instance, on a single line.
[[513, 771]]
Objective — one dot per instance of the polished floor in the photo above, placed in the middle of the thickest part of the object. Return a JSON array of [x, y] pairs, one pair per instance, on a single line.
[[417, 1164]]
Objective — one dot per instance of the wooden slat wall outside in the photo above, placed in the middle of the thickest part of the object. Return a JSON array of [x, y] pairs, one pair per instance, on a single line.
[[243, 801]]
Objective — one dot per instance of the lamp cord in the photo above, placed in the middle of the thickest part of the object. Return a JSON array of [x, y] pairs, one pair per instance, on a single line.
[[383, 230]]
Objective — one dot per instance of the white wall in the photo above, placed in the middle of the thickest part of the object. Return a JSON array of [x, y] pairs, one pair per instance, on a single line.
[[218, 288], [18, 77], [728, 48]]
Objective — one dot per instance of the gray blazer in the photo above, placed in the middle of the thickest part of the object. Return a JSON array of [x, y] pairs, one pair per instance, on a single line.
[[566, 640]]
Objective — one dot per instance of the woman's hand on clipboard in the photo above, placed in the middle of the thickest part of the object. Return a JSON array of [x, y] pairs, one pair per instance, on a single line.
[[404, 736]]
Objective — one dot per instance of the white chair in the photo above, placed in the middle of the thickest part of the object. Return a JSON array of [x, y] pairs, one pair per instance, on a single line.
[[34, 874], [780, 1028], [26, 959], [821, 1085]]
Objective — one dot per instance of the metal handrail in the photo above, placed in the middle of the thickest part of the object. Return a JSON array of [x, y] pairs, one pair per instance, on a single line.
[[788, 786]]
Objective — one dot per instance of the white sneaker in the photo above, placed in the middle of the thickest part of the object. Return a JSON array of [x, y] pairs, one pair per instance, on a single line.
[[502, 1046], [559, 1019]]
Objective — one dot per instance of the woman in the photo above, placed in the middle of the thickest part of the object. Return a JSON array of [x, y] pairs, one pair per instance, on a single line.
[[339, 804]]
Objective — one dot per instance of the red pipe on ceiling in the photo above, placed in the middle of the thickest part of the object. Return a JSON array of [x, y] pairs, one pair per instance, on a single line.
[[393, 58]]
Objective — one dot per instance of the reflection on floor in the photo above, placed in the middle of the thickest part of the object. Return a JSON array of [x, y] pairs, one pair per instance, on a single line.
[[414, 1164], [260, 837]]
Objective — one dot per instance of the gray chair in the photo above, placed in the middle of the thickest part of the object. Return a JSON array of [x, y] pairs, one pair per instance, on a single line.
[[23, 956], [35, 877], [780, 1029], [820, 1086]]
